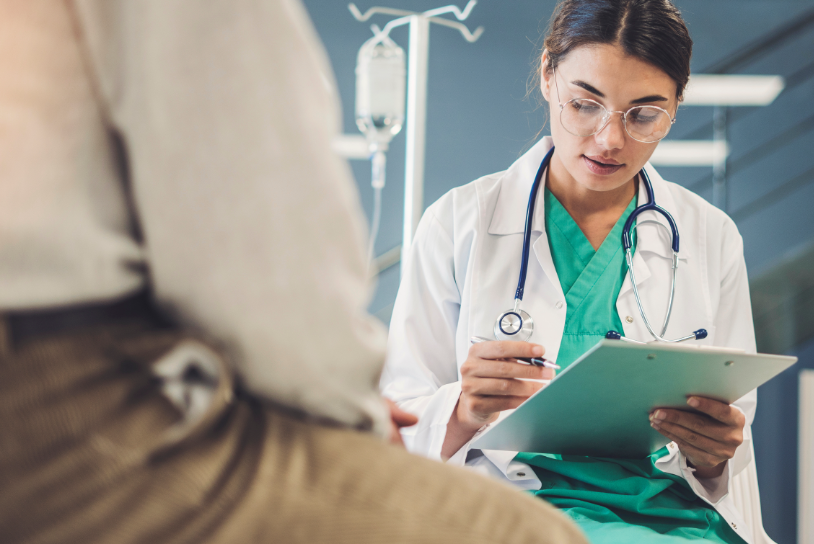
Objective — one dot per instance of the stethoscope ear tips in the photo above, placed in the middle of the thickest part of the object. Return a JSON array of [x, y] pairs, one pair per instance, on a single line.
[[700, 334], [613, 335]]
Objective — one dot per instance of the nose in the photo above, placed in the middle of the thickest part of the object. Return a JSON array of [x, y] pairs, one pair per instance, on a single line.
[[612, 135]]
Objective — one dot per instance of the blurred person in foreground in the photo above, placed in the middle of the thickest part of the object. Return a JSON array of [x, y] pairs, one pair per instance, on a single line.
[[168, 203]]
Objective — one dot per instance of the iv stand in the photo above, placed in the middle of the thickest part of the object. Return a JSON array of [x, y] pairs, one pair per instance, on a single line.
[[416, 117]]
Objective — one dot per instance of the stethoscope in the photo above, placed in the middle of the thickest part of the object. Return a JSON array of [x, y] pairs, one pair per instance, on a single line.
[[517, 324]]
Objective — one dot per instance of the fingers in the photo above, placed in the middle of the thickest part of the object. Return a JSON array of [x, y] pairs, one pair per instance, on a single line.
[[720, 449], [500, 387], [706, 440], [480, 368], [696, 455], [399, 417], [492, 381], [723, 424], [697, 423], [721, 411], [506, 350], [403, 419], [394, 436], [484, 407]]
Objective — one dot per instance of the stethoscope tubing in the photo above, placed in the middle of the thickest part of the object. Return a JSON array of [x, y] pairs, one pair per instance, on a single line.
[[627, 244], [524, 264], [651, 205]]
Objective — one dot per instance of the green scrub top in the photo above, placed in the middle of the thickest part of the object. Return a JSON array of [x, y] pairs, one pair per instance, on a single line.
[[612, 500]]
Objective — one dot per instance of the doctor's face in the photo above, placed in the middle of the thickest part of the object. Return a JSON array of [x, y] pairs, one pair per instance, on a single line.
[[603, 73]]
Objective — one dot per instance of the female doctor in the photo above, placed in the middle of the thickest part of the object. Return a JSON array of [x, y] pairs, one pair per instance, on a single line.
[[612, 73]]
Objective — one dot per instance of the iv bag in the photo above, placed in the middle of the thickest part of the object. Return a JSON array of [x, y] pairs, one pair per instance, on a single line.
[[380, 89]]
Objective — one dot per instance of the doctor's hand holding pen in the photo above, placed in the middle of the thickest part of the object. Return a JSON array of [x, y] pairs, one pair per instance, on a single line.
[[493, 379]]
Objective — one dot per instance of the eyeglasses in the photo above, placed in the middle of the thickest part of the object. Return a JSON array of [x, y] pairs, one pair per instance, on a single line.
[[585, 117]]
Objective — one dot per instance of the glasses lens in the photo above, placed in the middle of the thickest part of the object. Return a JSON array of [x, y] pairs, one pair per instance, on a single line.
[[647, 123], [582, 117]]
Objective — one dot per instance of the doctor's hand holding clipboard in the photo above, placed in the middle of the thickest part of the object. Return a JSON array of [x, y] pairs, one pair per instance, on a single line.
[[706, 439]]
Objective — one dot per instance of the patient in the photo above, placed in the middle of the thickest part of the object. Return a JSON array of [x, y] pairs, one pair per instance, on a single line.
[[184, 351]]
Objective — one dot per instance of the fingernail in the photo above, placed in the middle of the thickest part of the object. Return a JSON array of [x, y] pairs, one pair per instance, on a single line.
[[659, 415], [653, 424], [692, 401], [537, 351]]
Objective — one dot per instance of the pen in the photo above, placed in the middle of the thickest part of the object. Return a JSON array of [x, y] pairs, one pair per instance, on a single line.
[[525, 360]]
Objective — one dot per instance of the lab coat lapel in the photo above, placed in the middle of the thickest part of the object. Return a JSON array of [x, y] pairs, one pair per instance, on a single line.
[[542, 251], [515, 186], [640, 270], [543, 298], [514, 194]]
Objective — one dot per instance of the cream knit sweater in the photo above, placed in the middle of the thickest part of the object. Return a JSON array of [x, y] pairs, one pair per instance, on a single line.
[[186, 145]]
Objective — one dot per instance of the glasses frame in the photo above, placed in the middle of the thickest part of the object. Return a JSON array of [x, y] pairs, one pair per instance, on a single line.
[[607, 116]]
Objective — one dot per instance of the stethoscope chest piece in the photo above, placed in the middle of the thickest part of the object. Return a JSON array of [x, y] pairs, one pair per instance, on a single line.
[[514, 324]]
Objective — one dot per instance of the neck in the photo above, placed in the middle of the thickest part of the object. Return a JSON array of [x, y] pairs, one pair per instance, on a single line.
[[595, 212]]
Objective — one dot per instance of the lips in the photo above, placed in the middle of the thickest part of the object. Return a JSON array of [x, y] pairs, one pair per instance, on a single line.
[[600, 166]]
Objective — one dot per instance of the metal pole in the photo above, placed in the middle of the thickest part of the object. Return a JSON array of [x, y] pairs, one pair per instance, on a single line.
[[719, 197], [416, 130]]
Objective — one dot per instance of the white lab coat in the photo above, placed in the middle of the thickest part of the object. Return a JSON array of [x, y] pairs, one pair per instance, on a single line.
[[462, 272]]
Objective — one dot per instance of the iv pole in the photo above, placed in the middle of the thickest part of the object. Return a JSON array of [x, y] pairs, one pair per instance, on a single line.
[[416, 118]]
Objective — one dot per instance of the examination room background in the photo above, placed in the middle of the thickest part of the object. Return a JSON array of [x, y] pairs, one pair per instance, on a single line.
[[479, 122]]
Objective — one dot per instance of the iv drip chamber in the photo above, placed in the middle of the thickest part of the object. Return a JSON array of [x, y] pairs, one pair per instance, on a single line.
[[380, 90]]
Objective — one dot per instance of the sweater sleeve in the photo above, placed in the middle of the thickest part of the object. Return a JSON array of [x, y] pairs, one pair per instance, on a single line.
[[421, 373], [252, 226]]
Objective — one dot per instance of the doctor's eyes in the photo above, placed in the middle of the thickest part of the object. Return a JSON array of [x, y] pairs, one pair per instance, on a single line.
[[643, 115], [586, 107], [639, 115]]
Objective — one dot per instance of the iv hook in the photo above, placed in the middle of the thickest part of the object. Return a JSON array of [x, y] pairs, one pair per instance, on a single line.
[[404, 18]]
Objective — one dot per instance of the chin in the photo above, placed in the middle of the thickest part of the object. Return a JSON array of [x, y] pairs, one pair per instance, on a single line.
[[602, 186], [599, 183]]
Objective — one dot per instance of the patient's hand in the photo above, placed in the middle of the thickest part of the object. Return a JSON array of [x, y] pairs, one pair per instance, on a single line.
[[707, 440], [398, 419]]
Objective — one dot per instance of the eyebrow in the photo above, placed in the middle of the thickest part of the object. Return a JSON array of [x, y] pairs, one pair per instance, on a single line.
[[593, 90]]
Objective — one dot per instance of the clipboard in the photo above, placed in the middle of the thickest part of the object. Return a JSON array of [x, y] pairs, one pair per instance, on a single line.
[[600, 404]]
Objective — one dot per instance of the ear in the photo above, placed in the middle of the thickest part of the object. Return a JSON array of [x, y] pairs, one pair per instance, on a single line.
[[545, 77]]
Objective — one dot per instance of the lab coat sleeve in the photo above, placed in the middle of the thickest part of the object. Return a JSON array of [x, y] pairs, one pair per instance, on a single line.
[[735, 328], [421, 373], [252, 225]]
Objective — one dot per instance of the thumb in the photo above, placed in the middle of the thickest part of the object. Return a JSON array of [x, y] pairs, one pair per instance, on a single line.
[[400, 417]]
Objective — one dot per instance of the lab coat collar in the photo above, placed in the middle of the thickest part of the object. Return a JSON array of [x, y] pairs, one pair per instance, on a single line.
[[509, 216]]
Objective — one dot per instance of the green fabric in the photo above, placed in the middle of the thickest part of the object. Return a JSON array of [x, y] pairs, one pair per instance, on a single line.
[[612, 500], [590, 279], [616, 501]]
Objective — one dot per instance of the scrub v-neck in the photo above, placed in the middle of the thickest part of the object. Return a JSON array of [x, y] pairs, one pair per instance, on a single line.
[[590, 279]]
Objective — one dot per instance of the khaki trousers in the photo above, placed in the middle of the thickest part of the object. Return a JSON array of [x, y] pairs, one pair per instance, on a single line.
[[90, 452]]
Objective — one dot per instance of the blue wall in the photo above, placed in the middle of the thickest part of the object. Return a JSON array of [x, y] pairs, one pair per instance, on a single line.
[[479, 122]]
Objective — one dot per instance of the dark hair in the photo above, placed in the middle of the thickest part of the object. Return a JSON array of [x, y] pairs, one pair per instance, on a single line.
[[650, 30]]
